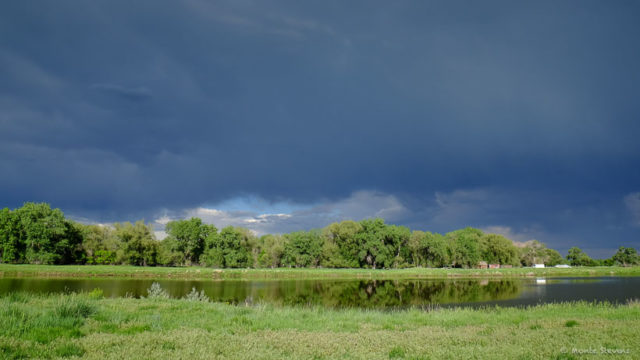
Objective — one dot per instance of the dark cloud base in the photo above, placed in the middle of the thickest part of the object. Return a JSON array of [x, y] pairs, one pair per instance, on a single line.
[[115, 111]]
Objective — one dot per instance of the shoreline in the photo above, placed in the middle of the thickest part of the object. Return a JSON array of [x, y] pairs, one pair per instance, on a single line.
[[202, 273]]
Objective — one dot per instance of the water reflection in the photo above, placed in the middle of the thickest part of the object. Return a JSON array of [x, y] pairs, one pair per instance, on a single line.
[[386, 293], [358, 293], [350, 293]]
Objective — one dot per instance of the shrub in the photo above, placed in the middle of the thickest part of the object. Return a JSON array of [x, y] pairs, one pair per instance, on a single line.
[[157, 292], [96, 293], [194, 295]]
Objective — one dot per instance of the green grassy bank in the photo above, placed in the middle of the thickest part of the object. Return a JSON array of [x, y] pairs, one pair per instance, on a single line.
[[71, 326], [287, 273]]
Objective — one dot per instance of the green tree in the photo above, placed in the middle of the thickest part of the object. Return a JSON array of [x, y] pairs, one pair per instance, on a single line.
[[41, 235], [271, 251], [373, 251], [436, 250], [139, 246], [330, 256], [533, 252], [69, 248], [170, 252], [427, 249], [343, 235], [229, 248], [416, 245], [253, 246], [381, 245], [99, 244], [553, 258], [496, 249], [577, 257], [396, 239], [302, 249], [604, 262], [41, 228], [464, 247], [190, 236], [213, 257], [236, 243], [626, 256], [12, 246]]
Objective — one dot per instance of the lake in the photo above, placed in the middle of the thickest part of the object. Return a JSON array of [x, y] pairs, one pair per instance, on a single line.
[[379, 294]]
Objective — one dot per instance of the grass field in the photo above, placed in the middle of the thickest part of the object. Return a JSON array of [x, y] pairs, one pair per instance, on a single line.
[[286, 273], [91, 327]]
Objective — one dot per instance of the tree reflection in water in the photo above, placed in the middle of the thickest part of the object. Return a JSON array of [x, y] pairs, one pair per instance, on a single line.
[[330, 293], [394, 294]]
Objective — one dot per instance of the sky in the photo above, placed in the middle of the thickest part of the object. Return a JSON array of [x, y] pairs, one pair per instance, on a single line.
[[517, 117]]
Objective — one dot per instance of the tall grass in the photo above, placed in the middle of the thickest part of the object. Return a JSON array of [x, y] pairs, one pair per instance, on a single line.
[[74, 325], [37, 326]]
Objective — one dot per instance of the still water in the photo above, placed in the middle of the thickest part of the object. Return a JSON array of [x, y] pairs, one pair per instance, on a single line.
[[359, 293]]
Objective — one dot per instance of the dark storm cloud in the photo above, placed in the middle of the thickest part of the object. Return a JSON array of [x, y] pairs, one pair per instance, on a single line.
[[111, 110], [133, 94]]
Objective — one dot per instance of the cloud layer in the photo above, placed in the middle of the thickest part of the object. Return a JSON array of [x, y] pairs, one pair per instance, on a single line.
[[359, 205], [492, 114], [633, 204]]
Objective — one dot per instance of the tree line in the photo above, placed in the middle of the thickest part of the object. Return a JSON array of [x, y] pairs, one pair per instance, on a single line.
[[37, 234]]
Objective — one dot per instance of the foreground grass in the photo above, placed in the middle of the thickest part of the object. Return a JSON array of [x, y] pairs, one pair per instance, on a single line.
[[71, 326], [286, 273]]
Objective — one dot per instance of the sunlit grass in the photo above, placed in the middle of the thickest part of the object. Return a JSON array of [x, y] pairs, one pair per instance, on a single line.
[[59, 326], [288, 273]]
